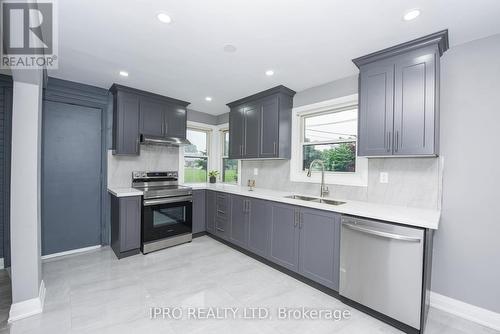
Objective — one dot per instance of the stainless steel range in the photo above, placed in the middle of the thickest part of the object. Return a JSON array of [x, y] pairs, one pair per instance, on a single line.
[[166, 210]]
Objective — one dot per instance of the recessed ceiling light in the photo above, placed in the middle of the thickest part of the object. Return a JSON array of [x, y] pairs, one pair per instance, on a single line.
[[229, 48], [411, 15], [164, 17], [269, 73], [208, 98], [124, 73]]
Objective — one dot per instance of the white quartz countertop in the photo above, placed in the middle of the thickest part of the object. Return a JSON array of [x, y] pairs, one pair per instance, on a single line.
[[124, 192], [424, 218]]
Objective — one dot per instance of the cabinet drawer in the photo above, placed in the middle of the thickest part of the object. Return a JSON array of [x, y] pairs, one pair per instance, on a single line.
[[221, 227]]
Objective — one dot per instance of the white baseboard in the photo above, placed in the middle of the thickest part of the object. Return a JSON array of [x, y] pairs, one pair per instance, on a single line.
[[73, 251], [467, 311], [1, 263], [28, 307]]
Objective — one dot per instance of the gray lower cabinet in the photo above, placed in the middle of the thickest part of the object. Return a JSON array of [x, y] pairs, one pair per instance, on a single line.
[[303, 240], [240, 213], [222, 215], [259, 226], [210, 210], [284, 246], [199, 211], [399, 98], [125, 225], [319, 248]]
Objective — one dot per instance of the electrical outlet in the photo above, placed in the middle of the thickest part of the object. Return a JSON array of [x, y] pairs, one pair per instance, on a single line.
[[384, 177], [255, 171]]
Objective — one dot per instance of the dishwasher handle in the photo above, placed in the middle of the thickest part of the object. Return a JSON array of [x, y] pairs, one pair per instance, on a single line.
[[381, 233]]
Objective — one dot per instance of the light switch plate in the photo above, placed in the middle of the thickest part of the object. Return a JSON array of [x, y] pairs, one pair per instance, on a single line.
[[384, 177], [255, 171]]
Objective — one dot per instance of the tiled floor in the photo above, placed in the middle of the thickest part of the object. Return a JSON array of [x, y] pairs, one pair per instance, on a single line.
[[96, 293]]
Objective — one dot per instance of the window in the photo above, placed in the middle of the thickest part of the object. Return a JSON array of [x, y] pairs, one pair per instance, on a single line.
[[229, 166], [331, 137], [196, 156]]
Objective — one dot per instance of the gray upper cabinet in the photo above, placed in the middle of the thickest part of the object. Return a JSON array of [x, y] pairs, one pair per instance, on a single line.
[[269, 138], [377, 110], [415, 118], [240, 212], [399, 98], [125, 123], [251, 131], [259, 226], [199, 211], [136, 113], [319, 249], [260, 125], [152, 117], [284, 246], [236, 133], [176, 121]]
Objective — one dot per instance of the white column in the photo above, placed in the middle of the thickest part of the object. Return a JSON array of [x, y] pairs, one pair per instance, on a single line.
[[28, 289]]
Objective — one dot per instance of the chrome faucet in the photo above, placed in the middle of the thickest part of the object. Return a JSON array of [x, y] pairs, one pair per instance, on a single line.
[[324, 189]]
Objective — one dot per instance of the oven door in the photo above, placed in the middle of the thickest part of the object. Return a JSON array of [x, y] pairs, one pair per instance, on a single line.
[[166, 217]]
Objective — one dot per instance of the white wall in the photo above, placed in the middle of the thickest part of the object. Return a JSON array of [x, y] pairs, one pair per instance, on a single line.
[[25, 218], [467, 245]]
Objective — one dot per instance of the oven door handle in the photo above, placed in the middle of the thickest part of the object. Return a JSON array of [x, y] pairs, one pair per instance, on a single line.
[[149, 202]]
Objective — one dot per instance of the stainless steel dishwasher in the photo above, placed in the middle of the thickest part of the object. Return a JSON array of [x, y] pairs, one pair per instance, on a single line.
[[381, 267]]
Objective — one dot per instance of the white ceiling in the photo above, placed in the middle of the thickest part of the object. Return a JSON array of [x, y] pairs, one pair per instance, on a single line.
[[306, 42]]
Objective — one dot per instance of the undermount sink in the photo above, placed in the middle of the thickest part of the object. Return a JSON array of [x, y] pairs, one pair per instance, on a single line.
[[315, 199]]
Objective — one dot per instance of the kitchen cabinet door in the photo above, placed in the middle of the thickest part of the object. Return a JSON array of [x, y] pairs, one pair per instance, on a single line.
[[319, 249], [284, 236], [236, 132], [239, 221], [252, 131], [415, 105], [376, 110], [126, 124], [259, 226], [269, 128], [176, 121], [210, 210], [152, 117], [199, 211], [125, 225]]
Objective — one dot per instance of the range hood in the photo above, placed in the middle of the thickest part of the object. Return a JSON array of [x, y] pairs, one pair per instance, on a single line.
[[164, 141]]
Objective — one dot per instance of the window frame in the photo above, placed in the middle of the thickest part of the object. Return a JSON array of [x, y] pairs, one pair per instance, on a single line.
[[209, 132], [357, 178]]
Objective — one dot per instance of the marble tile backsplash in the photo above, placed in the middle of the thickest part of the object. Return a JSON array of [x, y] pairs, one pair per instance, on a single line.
[[412, 181], [152, 158]]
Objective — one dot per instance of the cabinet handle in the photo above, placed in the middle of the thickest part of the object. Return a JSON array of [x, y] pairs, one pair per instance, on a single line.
[[219, 229], [397, 141], [165, 127], [241, 150], [300, 221], [295, 219], [274, 148], [222, 212]]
